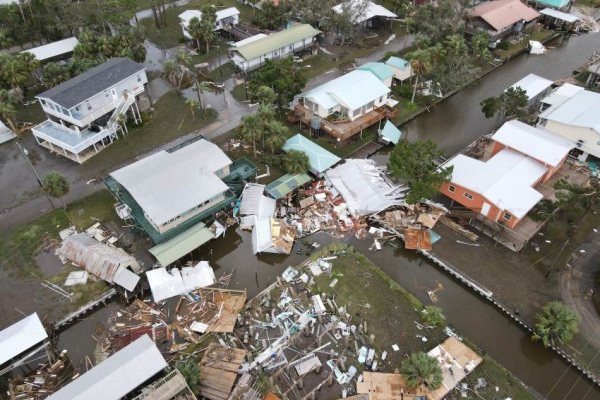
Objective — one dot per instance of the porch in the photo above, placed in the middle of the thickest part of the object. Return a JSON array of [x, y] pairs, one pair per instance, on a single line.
[[77, 146], [342, 129]]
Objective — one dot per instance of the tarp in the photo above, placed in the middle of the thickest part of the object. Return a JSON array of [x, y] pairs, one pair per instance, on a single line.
[[391, 133], [21, 336], [173, 249]]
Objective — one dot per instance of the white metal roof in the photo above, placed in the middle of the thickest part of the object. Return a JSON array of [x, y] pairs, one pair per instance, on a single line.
[[187, 15], [166, 284], [53, 49], [364, 186], [249, 40], [505, 179], [5, 133], [581, 110], [560, 95], [118, 375], [21, 336], [352, 90], [167, 184], [371, 10], [254, 202], [262, 240], [559, 15], [533, 85], [538, 143], [227, 12]]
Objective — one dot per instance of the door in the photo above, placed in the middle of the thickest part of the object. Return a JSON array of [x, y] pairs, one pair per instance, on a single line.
[[485, 209]]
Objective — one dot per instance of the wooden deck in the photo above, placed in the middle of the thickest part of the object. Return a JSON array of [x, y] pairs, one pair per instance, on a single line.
[[346, 129]]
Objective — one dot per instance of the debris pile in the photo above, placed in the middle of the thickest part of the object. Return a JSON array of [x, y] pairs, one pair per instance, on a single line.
[[46, 380]]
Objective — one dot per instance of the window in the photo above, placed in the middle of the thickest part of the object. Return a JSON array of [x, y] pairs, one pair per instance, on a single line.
[[468, 196], [139, 78], [106, 93], [88, 105], [43, 102], [507, 216], [451, 189], [370, 105]]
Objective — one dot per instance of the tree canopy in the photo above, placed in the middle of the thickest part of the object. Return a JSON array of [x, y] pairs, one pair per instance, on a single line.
[[512, 103], [433, 316], [296, 162], [55, 185], [421, 370], [282, 76], [415, 164], [556, 324]]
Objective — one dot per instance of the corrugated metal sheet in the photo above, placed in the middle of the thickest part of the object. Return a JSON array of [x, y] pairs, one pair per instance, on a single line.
[[173, 249], [20, 337], [255, 203], [118, 375], [165, 284]]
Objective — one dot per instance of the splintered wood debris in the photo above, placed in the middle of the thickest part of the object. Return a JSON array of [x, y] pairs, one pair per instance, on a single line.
[[219, 366]]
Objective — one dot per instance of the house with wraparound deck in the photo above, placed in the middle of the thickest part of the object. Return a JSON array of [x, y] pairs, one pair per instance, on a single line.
[[83, 112]]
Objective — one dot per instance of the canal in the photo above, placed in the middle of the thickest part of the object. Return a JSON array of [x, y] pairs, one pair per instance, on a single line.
[[452, 124]]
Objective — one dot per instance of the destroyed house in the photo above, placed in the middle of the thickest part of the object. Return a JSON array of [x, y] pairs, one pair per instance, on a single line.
[[83, 112], [252, 54], [501, 184], [172, 190], [118, 375], [364, 12], [345, 106], [111, 264], [500, 19]]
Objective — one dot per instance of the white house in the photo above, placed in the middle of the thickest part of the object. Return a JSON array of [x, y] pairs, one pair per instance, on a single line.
[[363, 12], [174, 187], [535, 88], [351, 95], [400, 67], [575, 115], [253, 52], [83, 112], [225, 18]]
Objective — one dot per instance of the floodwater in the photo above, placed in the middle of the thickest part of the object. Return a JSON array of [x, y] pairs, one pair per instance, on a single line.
[[452, 124]]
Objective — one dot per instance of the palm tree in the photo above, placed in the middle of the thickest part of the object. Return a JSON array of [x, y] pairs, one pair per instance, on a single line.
[[193, 105], [556, 324], [183, 60], [456, 46], [276, 138], [296, 162], [200, 88], [433, 316], [14, 72], [479, 46], [56, 186], [7, 109], [422, 370], [250, 131], [170, 71], [55, 73], [195, 30], [265, 95], [208, 33], [419, 67]]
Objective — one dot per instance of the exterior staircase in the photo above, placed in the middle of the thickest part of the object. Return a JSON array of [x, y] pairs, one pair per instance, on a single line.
[[124, 104]]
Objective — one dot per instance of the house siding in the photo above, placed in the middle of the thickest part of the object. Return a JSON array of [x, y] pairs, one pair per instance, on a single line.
[[590, 138], [186, 215], [282, 52]]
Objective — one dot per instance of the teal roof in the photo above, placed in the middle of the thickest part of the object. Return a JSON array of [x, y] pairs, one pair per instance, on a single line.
[[319, 159], [397, 62], [555, 3], [380, 70], [391, 133], [173, 249], [286, 184]]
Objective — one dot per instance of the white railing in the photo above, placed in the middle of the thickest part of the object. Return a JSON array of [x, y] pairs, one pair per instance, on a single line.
[[38, 131]]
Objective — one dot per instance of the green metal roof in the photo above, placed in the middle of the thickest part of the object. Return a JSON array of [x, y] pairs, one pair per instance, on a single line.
[[277, 40], [286, 184], [555, 3], [391, 132], [397, 62], [380, 70], [319, 159], [182, 244]]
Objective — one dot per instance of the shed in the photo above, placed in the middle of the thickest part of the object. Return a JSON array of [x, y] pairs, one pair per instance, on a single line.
[[319, 159], [173, 249], [286, 184], [401, 68], [390, 133], [118, 375], [53, 50], [111, 264], [380, 70], [20, 337], [534, 86]]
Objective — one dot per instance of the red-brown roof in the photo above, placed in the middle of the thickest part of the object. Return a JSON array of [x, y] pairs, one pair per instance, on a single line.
[[504, 13]]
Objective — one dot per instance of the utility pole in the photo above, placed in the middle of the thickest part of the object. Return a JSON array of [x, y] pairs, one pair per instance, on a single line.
[[37, 177]]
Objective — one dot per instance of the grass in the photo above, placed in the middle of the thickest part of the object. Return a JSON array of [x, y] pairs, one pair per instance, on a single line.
[[223, 72], [97, 207], [391, 315], [515, 48], [31, 113], [239, 93], [171, 119], [406, 110]]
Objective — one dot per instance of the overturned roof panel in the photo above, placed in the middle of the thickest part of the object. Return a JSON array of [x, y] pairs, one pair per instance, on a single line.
[[118, 375], [166, 284], [365, 187], [21, 336]]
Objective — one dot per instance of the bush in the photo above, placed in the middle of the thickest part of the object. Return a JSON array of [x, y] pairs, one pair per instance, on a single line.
[[389, 54], [404, 90], [503, 45]]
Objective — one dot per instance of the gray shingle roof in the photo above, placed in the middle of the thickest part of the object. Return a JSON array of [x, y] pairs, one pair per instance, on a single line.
[[74, 91]]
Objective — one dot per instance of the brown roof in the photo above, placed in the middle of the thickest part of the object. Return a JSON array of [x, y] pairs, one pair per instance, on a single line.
[[504, 13], [380, 386]]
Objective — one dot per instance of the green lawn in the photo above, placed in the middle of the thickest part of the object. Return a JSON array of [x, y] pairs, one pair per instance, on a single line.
[[32, 113], [171, 119], [514, 48], [223, 72]]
